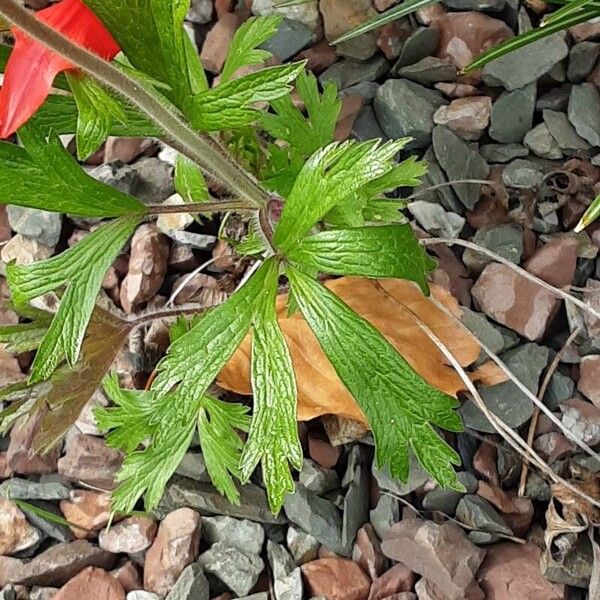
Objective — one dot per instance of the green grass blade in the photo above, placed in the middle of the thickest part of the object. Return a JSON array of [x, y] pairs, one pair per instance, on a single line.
[[384, 18], [590, 215], [531, 36], [570, 8]]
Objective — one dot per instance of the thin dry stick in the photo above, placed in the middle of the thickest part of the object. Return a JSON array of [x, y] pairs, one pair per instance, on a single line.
[[188, 278], [514, 440], [554, 290], [537, 402], [444, 184], [536, 413]]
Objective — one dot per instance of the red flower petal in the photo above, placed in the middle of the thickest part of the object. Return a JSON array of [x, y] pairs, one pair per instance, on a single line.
[[32, 67]]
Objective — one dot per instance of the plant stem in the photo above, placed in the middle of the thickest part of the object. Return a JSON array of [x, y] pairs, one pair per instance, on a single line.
[[165, 313], [201, 148], [200, 207]]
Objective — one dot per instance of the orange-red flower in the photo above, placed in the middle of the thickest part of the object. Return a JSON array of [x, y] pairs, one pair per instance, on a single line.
[[32, 67]]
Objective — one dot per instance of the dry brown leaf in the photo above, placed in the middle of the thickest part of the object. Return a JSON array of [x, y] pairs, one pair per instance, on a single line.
[[319, 389], [489, 373]]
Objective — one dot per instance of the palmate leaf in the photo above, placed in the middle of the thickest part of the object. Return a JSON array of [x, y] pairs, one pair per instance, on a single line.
[[97, 110], [231, 104], [23, 337], [151, 34], [44, 175], [244, 50], [192, 362], [331, 176], [81, 269], [386, 251], [273, 437], [400, 405], [305, 134]]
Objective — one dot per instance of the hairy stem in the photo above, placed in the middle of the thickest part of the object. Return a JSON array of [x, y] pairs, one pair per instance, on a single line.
[[165, 313], [200, 207], [201, 148]]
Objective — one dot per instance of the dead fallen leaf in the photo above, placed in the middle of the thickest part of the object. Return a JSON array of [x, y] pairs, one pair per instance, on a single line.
[[319, 389]]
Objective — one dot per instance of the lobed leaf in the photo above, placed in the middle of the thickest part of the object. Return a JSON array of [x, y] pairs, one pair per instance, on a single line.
[[273, 437], [44, 175], [151, 34], [331, 176], [97, 110], [81, 269], [231, 104], [244, 51], [399, 404], [386, 251], [192, 363]]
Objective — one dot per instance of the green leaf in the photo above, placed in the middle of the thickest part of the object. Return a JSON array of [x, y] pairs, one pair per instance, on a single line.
[[243, 51], [130, 419], [231, 104], [273, 437], [81, 269], [305, 134], [192, 362], [151, 34], [389, 16], [44, 175], [590, 215], [220, 442], [386, 251], [400, 405], [59, 114], [331, 175], [189, 181], [23, 337], [48, 516], [97, 110]]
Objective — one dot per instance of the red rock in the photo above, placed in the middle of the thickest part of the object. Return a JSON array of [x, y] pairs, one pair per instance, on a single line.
[[10, 370], [582, 419], [340, 16], [428, 591], [336, 579], [128, 576], [21, 456], [464, 35], [484, 462], [592, 299], [351, 106], [148, 263], [5, 471], [381, 5], [395, 580], [92, 584], [391, 38], [90, 460], [513, 301], [456, 90], [322, 452], [16, 533], [318, 57], [367, 552], [131, 535], [585, 31], [223, 6], [176, 546], [5, 230], [512, 571], [55, 566], [555, 262], [452, 275], [440, 553], [553, 446], [467, 117], [217, 42], [7, 315], [88, 511], [589, 378], [125, 149], [517, 512], [487, 212]]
